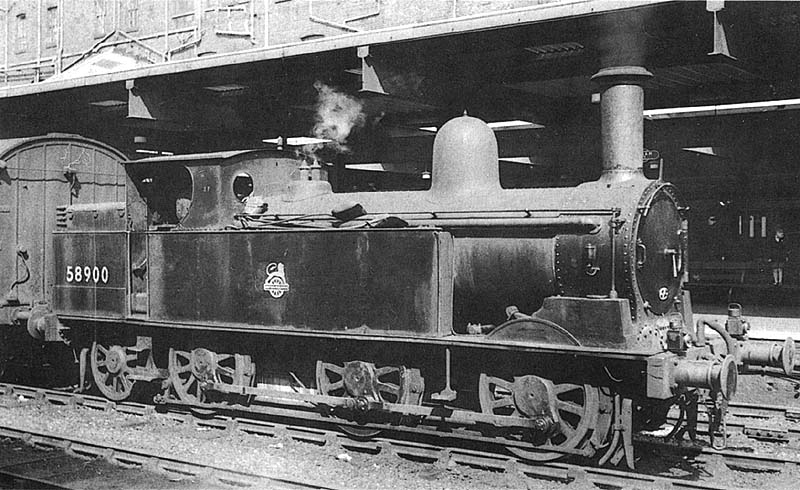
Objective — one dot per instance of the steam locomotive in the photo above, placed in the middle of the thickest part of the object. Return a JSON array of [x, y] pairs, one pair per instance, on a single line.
[[552, 320]]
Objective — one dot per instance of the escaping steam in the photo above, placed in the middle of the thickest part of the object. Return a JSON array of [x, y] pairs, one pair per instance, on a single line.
[[337, 115]]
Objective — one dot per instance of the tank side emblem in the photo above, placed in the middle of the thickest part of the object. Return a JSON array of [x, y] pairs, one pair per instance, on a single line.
[[663, 294], [276, 283]]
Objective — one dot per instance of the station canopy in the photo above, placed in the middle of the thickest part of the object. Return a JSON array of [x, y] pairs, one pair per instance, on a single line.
[[527, 71]]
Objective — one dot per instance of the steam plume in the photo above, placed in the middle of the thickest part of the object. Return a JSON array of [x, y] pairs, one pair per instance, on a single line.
[[337, 115]]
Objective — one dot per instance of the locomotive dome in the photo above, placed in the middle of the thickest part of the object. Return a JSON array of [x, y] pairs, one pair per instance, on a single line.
[[465, 157]]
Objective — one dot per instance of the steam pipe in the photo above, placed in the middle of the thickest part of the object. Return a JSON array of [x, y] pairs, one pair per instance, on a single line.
[[700, 334], [592, 224], [20, 316], [693, 337], [730, 343]]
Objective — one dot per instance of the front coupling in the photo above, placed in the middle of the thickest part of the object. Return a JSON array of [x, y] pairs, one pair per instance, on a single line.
[[772, 355], [721, 377]]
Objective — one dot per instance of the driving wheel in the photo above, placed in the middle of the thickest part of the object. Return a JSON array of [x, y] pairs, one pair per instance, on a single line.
[[358, 379], [577, 406], [112, 370], [191, 373]]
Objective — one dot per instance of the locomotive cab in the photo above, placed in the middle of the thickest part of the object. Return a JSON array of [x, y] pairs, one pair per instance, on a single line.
[[202, 191], [160, 197]]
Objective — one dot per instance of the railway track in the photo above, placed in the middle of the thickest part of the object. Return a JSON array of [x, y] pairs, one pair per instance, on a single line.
[[156, 463], [454, 451], [765, 423], [13, 476], [751, 419], [170, 467], [33, 462]]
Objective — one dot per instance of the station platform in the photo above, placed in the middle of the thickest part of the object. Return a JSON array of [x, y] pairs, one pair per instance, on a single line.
[[766, 321]]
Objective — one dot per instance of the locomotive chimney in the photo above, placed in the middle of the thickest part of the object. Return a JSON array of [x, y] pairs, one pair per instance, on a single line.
[[622, 53]]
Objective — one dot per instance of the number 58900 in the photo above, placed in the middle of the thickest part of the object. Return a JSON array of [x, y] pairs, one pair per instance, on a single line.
[[96, 275]]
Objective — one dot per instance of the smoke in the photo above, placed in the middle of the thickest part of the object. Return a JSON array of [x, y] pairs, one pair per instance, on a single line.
[[336, 117]]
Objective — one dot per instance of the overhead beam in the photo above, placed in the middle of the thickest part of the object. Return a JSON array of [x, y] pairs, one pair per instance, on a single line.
[[156, 106], [475, 23]]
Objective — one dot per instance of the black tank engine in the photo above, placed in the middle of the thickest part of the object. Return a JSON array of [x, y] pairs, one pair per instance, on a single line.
[[552, 318]]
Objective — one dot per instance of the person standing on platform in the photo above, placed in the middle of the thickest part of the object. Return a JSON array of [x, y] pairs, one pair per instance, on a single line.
[[778, 256]]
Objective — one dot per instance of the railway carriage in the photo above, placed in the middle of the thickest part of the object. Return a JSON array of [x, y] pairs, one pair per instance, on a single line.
[[40, 177]]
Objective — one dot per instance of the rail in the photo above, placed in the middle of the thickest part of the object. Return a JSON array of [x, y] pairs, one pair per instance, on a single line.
[[128, 456], [445, 450]]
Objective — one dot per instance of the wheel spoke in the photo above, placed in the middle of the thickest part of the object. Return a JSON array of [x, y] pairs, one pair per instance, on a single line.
[[127, 384], [333, 368], [571, 407], [102, 350], [500, 382], [335, 386], [382, 371], [567, 429], [505, 401], [389, 388], [565, 388]]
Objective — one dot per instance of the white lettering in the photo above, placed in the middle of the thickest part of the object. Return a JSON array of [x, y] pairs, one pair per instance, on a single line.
[[77, 273]]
